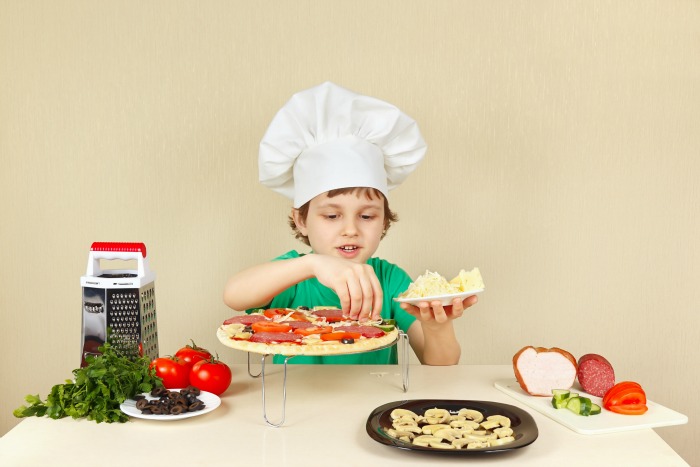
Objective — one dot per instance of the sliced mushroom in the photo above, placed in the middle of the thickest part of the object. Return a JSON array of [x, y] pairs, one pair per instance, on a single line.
[[448, 434], [436, 416], [490, 424], [425, 440], [411, 428], [430, 429], [478, 445], [459, 443], [464, 424], [502, 420], [438, 445], [400, 434], [471, 414], [501, 441], [503, 432], [398, 413]]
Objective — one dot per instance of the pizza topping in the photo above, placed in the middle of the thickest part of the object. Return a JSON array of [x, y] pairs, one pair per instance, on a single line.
[[366, 331], [245, 319], [275, 337], [270, 326]]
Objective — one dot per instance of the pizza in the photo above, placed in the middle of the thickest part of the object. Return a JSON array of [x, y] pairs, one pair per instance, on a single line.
[[303, 331]]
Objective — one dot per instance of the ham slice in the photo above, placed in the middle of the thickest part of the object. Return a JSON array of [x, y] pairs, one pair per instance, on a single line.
[[539, 370]]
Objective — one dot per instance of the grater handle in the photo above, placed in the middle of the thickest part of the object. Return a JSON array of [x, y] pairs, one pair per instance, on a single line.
[[117, 250]]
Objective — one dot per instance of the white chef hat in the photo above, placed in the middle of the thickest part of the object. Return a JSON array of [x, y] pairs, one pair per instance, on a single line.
[[327, 137]]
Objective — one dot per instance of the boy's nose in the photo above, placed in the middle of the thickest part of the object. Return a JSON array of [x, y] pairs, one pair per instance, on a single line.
[[349, 228]]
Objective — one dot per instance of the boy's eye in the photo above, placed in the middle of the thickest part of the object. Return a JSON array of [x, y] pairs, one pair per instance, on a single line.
[[331, 216], [367, 217]]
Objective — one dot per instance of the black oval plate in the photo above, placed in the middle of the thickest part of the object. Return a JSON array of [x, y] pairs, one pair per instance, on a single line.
[[523, 425]]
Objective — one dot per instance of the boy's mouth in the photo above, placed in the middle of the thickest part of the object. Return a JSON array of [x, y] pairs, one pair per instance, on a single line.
[[348, 248], [349, 251]]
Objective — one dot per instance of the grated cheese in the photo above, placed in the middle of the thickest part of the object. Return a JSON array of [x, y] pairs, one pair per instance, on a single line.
[[432, 284]]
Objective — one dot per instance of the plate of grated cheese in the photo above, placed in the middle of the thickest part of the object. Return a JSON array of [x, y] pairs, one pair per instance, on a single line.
[[432, 286]]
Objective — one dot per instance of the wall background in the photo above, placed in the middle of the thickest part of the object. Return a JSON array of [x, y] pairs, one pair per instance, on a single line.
[[563, 161]]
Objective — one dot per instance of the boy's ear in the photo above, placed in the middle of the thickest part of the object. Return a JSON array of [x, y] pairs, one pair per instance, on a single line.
[[298, 221]]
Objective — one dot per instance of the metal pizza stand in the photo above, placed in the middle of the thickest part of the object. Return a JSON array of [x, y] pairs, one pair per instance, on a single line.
[[401, 337]]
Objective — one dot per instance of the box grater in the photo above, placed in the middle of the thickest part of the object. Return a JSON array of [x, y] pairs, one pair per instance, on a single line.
[[122, 301]]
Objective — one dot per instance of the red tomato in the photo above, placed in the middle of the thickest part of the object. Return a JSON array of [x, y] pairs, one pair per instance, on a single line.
[[340, 335], [626, 398], [627, 392], [211, 375], [313, 330], [619, 387], [191, 354], [173, 372], [269, 326], [629, 409], [272, 312]]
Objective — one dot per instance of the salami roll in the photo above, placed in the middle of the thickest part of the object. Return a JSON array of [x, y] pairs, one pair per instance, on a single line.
[[595, 374], [246, 319]]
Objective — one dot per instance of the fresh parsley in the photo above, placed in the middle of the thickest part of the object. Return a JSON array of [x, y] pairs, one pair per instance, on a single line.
[[97, 389]]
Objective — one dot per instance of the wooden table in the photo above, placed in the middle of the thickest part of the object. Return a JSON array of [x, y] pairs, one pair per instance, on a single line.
[[326, 413]]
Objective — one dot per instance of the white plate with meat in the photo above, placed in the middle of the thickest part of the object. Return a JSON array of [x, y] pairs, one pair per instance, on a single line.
[[605, 422]]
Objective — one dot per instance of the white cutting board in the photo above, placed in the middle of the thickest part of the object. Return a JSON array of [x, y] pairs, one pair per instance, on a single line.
[[605, 422]]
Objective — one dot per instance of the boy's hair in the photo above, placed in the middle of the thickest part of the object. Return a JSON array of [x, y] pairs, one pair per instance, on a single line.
[[370, 193]]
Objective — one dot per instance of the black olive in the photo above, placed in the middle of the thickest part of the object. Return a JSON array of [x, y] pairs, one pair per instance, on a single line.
[[147, 411], [198, 405], [138, 397], [348, 340], [194, 390], [156, 410], [142, 404], [177, 410], [157, 392], [304, 308], [191, 398]]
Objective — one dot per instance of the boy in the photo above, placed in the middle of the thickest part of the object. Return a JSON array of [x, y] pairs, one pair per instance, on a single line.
[[336, 154]]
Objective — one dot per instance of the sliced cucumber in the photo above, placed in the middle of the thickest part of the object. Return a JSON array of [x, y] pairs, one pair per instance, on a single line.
[[386, 325], [595, 409], [560, 398], [579, 405]]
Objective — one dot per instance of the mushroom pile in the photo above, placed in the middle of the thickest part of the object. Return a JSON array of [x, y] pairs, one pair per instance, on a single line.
[[440, 429]]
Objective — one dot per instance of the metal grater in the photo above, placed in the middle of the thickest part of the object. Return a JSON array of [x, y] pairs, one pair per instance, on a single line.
[[121, 301]]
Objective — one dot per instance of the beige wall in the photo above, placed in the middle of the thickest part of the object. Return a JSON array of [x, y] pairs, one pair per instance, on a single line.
[[563, 161]]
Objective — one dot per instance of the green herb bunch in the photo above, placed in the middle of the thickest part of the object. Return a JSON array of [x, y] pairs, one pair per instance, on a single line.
[[98, 389]]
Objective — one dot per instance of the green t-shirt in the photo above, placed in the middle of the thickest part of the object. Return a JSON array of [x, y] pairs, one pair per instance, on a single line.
[[311, 293]]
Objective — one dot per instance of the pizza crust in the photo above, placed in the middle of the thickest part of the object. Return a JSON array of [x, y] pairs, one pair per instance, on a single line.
[[321, 348]]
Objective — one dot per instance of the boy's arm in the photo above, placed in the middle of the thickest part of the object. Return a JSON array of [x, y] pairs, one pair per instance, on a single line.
[[432, 335], [355, 284], [258, 285]]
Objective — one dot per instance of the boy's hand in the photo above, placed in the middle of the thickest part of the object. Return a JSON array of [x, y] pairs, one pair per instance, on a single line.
[[434, 314], [356, 284]]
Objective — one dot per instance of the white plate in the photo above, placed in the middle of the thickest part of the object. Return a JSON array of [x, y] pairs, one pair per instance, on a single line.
[[211, 401], [444, 299], [605, 422]]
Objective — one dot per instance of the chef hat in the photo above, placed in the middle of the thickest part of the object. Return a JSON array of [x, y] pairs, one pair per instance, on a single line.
[[328, 137]]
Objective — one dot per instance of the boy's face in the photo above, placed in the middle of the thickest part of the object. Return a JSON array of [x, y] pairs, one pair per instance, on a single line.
[[348, 226]]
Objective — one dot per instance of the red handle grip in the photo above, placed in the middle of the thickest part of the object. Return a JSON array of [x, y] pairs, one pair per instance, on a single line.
[[119, 247]]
